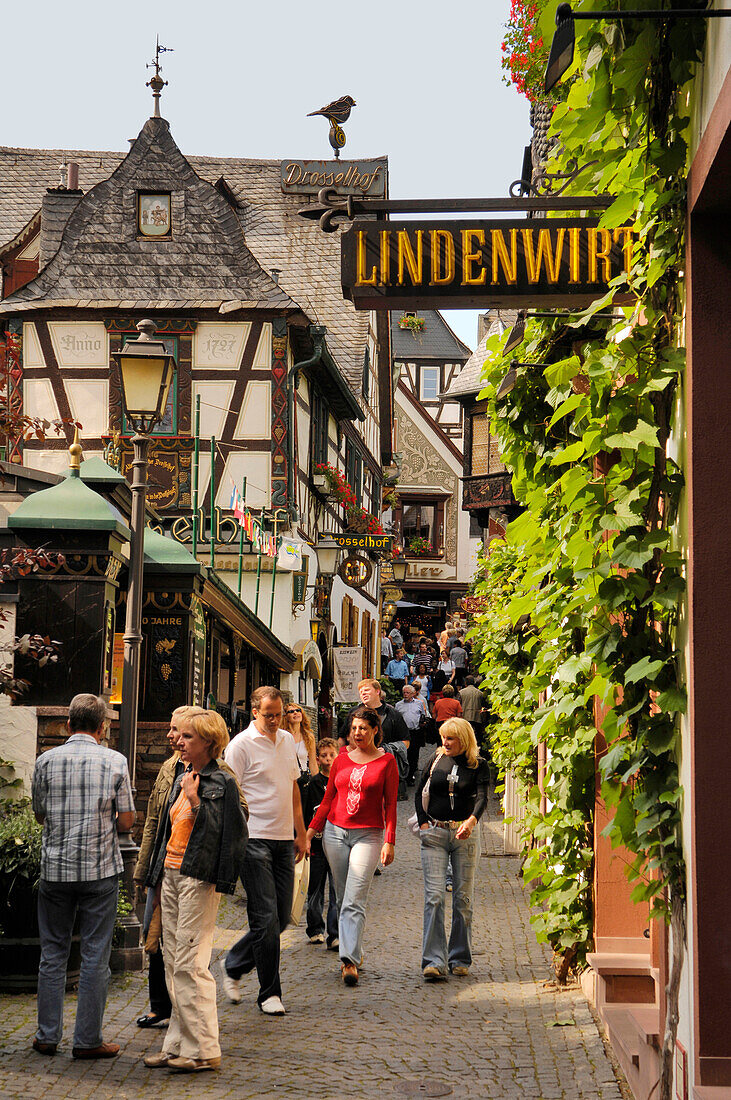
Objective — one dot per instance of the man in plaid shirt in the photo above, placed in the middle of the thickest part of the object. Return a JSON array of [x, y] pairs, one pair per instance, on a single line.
[[83, 797]]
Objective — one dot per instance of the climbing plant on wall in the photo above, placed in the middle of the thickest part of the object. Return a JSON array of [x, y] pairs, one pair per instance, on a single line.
[[584, 593]]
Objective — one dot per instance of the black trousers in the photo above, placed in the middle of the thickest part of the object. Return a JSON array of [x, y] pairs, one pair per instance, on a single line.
[[412, 753]]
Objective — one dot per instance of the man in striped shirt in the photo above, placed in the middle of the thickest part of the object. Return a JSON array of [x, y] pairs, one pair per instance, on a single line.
[[83, 797]]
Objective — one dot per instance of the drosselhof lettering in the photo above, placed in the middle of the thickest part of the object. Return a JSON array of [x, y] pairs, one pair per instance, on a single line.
[[556, 261]]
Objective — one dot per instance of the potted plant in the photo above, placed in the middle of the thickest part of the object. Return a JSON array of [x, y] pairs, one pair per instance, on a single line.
[[420, 547], [20, 870]]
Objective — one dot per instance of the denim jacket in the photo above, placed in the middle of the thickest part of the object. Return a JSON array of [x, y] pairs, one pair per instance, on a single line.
[[217, 843]]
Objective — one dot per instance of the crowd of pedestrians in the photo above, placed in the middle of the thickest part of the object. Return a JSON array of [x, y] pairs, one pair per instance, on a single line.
[[251, 809]]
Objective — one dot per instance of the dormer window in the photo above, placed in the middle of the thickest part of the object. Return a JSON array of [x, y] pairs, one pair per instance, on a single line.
[[154, 214]]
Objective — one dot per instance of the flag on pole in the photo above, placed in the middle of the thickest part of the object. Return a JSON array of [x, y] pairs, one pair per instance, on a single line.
[[290, 555]]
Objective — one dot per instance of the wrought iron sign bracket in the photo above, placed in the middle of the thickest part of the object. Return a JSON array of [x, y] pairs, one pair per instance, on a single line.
[[333, 209]]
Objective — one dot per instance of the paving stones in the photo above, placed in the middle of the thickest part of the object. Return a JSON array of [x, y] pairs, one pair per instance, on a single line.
[[488, 1035]]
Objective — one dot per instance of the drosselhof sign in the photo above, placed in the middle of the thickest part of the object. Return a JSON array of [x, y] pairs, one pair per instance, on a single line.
[[554, 262]]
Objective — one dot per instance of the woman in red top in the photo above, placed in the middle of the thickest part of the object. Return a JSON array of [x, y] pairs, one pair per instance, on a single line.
[[359, 800], [447, 706]]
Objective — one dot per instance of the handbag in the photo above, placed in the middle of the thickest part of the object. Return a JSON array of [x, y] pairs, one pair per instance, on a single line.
[[301, 886], [427, 786]]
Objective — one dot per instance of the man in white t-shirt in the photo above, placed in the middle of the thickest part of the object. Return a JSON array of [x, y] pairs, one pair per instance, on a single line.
[[263, 758]]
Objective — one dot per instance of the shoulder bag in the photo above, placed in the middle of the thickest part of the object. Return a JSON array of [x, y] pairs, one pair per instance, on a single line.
[[413, 821]]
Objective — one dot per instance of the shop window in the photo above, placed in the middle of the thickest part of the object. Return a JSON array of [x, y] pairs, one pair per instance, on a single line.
[[345, 620], [485, 454], [354, 469], [429, 383], [365, 641], [320, 418], [421, 522]]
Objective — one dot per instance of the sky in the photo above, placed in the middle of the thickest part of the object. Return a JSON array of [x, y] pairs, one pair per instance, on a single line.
[[425, 76]]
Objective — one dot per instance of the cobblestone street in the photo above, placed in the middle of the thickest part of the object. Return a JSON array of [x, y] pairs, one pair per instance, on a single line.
[[499, 1033]]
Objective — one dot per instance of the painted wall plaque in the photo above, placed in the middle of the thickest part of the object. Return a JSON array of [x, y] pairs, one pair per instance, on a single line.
[[153, 215], [474, 264], [78, 344], [219, 346]]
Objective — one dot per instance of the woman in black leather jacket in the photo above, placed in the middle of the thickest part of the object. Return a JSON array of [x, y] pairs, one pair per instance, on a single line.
[[198, 851]]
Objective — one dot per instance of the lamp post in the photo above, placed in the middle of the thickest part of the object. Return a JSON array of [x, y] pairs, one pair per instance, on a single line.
[[146, 370]]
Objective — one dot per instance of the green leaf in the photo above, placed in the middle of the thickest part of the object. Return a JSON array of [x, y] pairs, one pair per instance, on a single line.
[[567, 407], [672, 700], [644, 669], [622, 209], [630, 441], [572, 453]]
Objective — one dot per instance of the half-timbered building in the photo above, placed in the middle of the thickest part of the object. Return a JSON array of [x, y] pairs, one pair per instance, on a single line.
[[285, 374], [433, 529]]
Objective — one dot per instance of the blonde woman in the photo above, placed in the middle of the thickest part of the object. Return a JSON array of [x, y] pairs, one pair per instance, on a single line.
[[198, 852], [297, 723], [450, 798]]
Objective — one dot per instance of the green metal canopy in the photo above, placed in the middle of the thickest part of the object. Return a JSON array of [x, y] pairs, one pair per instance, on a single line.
[[166, 555], [95, 471], [70, 505]]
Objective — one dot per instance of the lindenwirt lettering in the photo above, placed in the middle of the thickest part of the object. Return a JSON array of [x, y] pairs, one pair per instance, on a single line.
[[556, 261]]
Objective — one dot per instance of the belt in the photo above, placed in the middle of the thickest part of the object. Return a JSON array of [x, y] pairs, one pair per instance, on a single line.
[[445, 824]]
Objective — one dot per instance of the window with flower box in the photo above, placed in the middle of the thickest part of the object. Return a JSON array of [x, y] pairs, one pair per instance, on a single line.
[[420, 523]]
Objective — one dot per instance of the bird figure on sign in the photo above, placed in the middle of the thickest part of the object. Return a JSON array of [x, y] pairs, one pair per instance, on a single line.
[[336, 112]]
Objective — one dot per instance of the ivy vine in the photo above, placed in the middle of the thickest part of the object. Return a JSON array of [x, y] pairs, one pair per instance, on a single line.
[[584, 593]]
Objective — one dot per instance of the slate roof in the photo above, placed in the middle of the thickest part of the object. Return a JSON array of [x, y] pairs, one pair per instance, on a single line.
[[274, 234], [435, 341], [469, 382]]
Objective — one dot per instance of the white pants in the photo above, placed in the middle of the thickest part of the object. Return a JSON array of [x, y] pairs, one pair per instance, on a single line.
[[189, 910]]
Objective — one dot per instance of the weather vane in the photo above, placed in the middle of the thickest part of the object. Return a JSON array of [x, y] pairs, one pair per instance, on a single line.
[[336, 112], [156, 82]]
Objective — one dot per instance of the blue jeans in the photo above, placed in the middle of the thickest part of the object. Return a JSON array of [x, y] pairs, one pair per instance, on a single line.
[[268, 878], [320, 874], [58, 903], [353, 855], [437, 847]]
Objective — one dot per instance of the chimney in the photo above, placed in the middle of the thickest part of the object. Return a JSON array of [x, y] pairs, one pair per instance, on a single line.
[[73, 176], [56, 208], [483, 322]]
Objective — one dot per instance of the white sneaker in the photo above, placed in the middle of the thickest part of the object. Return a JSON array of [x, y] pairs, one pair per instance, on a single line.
[[273, 1006], [318, 938], [230, 985]]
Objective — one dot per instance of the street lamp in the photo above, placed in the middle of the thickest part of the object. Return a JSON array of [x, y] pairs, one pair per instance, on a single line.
[[147, 370], [400, 566], [328, 553]]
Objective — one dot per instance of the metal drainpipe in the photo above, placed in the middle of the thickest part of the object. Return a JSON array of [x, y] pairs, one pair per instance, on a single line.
[[318, 333]]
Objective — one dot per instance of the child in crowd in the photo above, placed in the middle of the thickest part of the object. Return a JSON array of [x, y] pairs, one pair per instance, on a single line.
[[327, 750]]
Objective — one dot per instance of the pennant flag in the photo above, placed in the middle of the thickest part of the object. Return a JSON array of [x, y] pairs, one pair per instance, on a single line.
[[234, 499]]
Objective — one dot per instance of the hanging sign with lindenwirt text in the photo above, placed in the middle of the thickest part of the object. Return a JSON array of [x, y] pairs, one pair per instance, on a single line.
[[461, 264]]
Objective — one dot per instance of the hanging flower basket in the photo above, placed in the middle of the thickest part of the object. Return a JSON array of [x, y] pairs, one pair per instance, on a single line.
[[415, 324]]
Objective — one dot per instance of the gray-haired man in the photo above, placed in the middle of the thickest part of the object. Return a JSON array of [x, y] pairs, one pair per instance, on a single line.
[[83, 797]]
